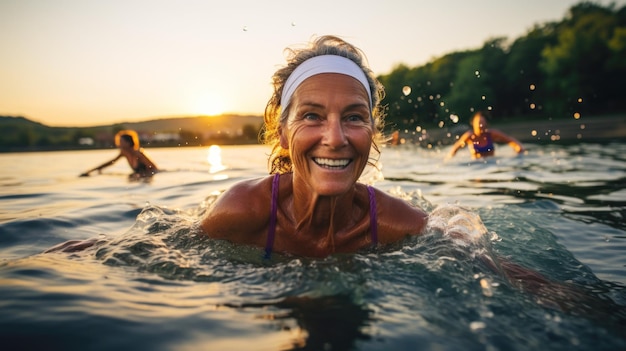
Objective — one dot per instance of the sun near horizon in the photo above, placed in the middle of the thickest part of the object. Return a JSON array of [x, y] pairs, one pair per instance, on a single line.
[[208, 104]]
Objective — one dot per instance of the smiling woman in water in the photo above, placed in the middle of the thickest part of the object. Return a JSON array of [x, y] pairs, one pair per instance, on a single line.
[[322, 123]]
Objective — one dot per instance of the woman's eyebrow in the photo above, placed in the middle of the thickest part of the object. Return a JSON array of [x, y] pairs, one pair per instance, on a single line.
[[355, 105]]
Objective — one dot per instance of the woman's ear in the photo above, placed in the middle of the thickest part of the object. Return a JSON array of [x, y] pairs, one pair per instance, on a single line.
[[284, 141]]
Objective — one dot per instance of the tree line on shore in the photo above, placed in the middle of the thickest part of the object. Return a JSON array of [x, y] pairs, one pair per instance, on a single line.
[[564, 69]]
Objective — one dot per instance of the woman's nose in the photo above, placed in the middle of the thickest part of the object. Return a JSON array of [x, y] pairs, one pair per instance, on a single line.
[[334, 134]]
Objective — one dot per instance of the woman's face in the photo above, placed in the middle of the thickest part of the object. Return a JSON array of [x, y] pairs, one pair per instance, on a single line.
[[125, 144], [479, 124], [328, 132]]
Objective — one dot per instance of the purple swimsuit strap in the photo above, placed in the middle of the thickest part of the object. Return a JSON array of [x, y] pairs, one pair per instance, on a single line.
[[373, 219], [273, 214]]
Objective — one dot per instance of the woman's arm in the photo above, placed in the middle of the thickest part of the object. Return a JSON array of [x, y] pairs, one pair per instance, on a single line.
[[466, 228], [104, 165], [459, 144], [500, 137], [563, 296]]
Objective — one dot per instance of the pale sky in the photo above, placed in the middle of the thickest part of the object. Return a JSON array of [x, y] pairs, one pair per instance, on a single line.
[[95, 62]]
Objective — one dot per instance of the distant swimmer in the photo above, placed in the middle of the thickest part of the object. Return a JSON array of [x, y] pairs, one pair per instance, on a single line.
[[481, 140], [128, 143]]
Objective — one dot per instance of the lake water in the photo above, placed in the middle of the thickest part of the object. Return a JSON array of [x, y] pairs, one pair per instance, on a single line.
[[153, 284]]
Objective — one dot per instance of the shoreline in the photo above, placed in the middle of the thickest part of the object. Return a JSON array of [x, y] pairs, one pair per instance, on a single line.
[[593, 128]]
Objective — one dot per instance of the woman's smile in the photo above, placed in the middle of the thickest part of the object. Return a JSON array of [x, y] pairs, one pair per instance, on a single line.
[[333, 164]]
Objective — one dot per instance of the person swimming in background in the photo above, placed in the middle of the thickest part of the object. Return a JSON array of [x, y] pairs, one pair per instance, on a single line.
[[128, 143], [481, 140]]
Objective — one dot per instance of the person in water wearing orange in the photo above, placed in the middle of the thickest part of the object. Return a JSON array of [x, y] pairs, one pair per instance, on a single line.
[[128, 143], [481, 139]]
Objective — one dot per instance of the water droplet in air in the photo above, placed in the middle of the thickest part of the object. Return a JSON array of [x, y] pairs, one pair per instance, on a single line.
[[477, 325], [406, 90], [485, 285]]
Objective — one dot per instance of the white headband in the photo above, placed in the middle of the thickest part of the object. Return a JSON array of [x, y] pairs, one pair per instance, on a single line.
[[323, 64]]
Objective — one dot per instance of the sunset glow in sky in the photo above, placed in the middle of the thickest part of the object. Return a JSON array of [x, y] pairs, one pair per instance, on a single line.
[[95, 62]]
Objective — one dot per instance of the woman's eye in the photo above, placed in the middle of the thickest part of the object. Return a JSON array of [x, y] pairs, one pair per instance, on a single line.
[[311, 117], [355, 118]]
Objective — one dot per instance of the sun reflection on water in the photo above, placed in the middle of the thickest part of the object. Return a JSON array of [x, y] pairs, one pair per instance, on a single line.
[[214, 158]]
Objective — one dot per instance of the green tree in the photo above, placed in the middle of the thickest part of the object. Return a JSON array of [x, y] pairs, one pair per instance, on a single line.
[[470, 91], [577, 64], [250, 132], [188, 137], [524, 78], [26, 137], [393, 83], [576, 67], [438, 80]]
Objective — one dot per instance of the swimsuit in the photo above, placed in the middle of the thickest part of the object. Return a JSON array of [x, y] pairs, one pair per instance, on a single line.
[[487, 148], [271, 232]]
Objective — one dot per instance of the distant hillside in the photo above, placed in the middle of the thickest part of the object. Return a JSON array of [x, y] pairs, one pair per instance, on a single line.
[[22, 134], [17, 121], [200, 124], [11, 124]]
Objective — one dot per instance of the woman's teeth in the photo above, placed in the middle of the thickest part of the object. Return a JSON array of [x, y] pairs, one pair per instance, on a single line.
[[328, 162]]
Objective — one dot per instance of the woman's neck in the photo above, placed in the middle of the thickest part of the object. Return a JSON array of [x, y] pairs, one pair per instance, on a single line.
[[314, 213]]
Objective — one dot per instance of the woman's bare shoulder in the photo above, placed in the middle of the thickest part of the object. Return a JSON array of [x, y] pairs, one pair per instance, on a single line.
[[397, 217], [243, 208], [245, 194]]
